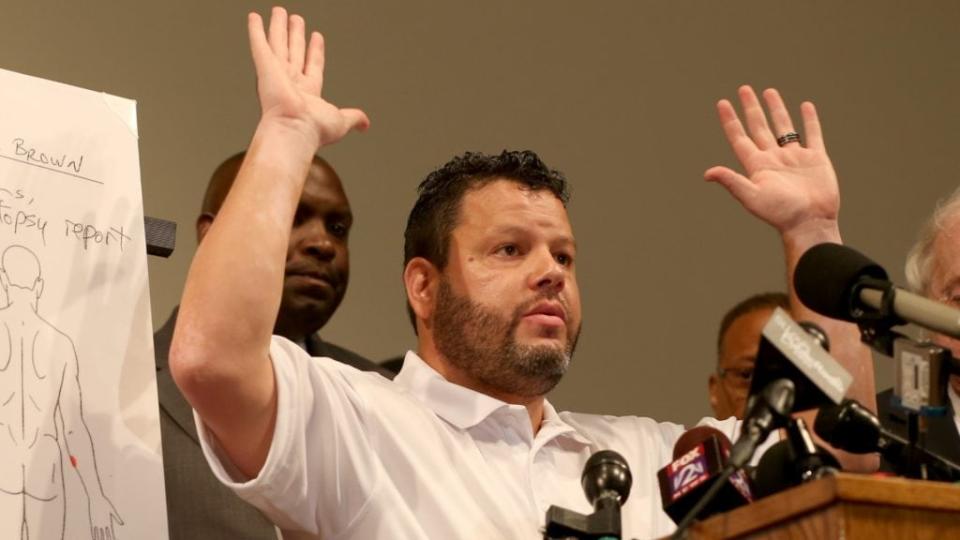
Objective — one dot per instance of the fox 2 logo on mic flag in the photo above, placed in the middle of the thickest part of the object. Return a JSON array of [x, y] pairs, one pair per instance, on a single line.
[[687, 472]]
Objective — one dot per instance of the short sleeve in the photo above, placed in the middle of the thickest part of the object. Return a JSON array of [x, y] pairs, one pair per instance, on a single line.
[[321, 468]]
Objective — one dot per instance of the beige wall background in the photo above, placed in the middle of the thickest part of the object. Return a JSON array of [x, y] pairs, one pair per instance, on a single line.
[[619, 95]]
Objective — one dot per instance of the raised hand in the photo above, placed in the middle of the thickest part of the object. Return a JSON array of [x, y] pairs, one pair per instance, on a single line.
[[290, 80], [786, 186]]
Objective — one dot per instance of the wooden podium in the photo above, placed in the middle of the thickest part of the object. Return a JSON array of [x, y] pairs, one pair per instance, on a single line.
[[847, 506]]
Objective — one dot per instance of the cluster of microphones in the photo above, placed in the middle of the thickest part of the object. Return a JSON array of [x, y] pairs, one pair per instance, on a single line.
[[795, 372]]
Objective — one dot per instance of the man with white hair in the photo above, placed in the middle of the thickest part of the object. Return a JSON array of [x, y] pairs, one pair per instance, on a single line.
[[933, 270]]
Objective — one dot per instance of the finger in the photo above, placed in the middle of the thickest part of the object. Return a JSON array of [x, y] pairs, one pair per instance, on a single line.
[[355, 119], [779, 115], [742, 145], [756, 119], [297, 43], [259, 47], [811, 126], [278, 33], [315, 60], [738, 185]]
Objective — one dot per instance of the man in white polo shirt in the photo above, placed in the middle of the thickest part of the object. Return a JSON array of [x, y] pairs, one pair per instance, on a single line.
[[463, 444]]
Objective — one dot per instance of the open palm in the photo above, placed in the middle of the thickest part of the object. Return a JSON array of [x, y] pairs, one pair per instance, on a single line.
[[290, 79], [784, 186]]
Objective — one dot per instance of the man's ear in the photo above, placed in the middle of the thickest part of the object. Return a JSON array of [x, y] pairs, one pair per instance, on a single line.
[[204, 221], [712, 383], [421, 279]]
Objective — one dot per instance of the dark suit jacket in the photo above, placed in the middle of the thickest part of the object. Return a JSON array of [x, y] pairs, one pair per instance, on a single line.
[[199, 507], [942, 436]]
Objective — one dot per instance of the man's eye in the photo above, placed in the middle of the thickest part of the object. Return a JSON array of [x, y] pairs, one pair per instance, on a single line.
[[564, 259], [509, 250], [339, 230]]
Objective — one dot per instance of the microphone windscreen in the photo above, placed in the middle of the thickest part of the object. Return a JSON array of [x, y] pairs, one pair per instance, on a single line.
[[827, 423], [826, 275], [772, 474], [697, 435], [781, 468], [848, 426], [606, 470]]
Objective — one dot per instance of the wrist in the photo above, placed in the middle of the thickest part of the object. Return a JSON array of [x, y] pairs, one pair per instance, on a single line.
[[809, 233], [296, 137]]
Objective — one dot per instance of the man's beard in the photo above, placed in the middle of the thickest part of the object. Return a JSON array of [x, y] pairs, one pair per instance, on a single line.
[[484, 345]]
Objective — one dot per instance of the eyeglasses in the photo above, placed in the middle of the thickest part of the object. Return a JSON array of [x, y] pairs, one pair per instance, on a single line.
[[736, 377]]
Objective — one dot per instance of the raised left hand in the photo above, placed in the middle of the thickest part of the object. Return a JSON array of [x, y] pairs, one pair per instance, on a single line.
[[786, 186]]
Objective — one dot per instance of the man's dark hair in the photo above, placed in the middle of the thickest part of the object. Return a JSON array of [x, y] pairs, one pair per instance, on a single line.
[[769, 300], [435, 214]]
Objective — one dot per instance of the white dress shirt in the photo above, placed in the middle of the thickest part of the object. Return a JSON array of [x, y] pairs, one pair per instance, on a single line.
[[356, 456]]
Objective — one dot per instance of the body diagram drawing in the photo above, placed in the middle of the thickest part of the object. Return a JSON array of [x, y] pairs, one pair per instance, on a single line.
[[42, 428]]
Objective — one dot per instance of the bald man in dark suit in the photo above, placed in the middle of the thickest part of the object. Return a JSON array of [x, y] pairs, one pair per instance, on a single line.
[[317, 270]]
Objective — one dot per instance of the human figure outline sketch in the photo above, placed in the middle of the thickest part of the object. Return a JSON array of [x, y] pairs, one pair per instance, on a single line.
[[42, 428]]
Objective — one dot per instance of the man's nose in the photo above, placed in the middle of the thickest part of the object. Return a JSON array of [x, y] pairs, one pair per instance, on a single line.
[[315, 240], [548, 273]]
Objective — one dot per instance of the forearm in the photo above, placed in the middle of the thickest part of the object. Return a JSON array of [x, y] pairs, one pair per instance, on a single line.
[[845, 344], [81, 455], [232, 292], [220, 350]]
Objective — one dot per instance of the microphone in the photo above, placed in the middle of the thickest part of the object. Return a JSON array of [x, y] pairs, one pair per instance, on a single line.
[[798, 352], [852, 427], [841, 283], [606, 482], [792, 462], [700, 457], [766, 411]]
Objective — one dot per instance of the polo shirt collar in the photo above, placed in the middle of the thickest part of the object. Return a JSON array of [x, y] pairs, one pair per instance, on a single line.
[[465, 408]]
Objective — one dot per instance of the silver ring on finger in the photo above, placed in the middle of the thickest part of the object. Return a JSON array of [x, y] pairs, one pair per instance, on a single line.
[[787, 138]]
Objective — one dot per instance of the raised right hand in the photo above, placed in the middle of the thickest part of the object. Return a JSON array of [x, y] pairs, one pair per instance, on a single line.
[[290, 80]]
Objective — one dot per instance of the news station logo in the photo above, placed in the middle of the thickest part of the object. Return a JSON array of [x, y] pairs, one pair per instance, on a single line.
[[687, 472]]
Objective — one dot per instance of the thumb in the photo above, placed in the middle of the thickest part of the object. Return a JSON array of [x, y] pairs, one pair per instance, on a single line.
[[738, 185], [355, 119]]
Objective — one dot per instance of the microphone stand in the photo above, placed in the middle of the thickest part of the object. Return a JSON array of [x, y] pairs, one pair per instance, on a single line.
[[876, 330], [715, 487]]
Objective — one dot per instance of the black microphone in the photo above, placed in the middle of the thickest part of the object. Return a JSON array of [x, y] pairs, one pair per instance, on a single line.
[[766, 411], [792, 462], [798, 352], [699, 458], [841, 283], [606, 482], [852, 427]]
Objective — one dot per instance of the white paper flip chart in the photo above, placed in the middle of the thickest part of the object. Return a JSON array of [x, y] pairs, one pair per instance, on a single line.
[[79, 430]]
